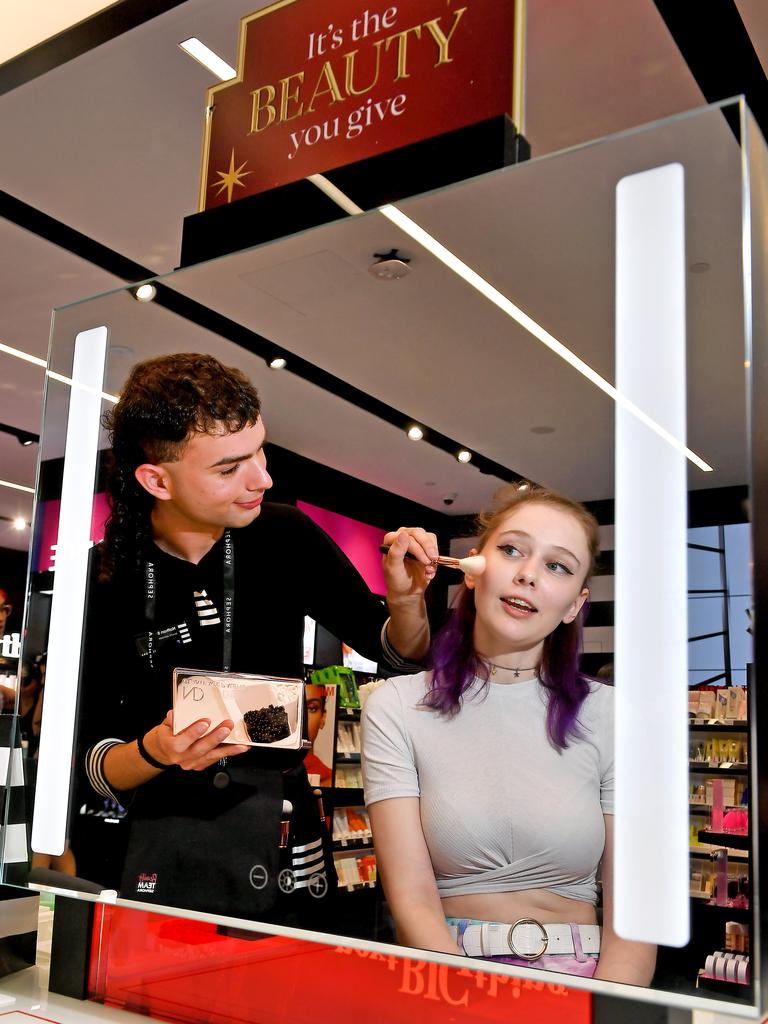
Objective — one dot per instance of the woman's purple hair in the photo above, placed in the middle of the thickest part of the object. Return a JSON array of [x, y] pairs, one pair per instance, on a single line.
[[455, 664]]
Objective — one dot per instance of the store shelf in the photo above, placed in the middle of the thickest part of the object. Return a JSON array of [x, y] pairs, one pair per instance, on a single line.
[[729, 839], [724, 988], [712, 726], [702, 768], [353, 758], [707, 909], [348, 714], [706, 849], [353, 844], [346, 797]]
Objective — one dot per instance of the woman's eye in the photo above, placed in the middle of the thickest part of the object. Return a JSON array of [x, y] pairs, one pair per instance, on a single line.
[[229, 472], [560, 568], [508, 549]]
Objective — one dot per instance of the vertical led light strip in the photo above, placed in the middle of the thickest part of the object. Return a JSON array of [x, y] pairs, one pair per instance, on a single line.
[[651, 600], [68, 602]]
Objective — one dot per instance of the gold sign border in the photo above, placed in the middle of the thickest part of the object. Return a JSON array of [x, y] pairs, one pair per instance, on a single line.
[[517, 109], [209, 97]]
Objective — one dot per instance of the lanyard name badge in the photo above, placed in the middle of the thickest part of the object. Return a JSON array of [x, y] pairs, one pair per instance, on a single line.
[[221, 778]]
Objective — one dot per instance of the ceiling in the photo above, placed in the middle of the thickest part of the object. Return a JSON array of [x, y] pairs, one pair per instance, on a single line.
[[109, 144]]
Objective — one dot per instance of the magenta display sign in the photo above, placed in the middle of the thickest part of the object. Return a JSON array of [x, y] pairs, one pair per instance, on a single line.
[[47, 531], [359, 542]]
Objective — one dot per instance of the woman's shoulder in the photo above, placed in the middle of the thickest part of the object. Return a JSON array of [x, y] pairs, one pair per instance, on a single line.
[[399, 691], [599, 701]]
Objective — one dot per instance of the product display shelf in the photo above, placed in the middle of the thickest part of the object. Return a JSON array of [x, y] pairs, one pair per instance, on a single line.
[[348, 714], [341, 797], [711, 725], [353, 844], [703, 808], [702, 768], [355, 867], [707, 849], [730, 989], [732, 840], [350, 757], [702, 905]]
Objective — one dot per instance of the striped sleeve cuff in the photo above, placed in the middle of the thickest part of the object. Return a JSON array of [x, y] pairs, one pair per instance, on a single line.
[[94, 769], [391, 656]]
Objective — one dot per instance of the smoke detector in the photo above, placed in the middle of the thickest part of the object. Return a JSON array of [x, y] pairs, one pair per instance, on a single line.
[[388, 266]]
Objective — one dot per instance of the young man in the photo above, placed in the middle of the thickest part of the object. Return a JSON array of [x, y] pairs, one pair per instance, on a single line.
[[196, 571]]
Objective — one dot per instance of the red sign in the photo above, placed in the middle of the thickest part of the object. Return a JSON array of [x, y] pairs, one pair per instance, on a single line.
[[186, 970], [323, 83]]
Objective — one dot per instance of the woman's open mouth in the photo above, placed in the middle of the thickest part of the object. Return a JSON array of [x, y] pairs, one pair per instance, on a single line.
[[518, 607]]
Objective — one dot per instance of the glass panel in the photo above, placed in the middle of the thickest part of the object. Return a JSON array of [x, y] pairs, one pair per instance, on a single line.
[[756, 292], [520, 373], [704, 571]]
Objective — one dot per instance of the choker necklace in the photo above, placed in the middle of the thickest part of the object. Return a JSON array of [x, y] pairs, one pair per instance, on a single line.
[[507, 668]]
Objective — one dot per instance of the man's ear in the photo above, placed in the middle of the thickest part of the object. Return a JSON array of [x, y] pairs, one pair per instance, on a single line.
[[577, 605], [154, 480]]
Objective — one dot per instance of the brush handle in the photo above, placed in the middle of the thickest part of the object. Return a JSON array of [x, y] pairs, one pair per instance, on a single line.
[[444, 560], [384, 548]]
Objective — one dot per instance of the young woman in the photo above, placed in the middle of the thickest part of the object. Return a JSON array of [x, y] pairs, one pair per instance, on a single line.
[[489, 779]]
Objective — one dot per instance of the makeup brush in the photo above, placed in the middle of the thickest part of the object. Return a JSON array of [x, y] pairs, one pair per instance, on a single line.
[[474, 565]]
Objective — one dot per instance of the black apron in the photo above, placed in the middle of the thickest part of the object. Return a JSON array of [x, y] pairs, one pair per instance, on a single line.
[[224, 849]]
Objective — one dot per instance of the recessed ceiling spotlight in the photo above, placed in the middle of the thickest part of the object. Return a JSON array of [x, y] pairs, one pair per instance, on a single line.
[[24, 437], [464, 456], [204, 55], [415, 432], [278, 363], [145, 292], [542, 430], [699, 268], [389, 266], [19, 523]]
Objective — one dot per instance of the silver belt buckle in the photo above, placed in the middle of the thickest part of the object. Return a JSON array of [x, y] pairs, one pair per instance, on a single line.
[[544, 939]]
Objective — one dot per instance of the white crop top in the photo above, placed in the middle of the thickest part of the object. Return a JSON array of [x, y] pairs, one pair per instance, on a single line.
[[502, 810]]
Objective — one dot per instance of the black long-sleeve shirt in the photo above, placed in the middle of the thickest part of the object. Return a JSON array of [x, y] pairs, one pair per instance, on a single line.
[[285, 567]]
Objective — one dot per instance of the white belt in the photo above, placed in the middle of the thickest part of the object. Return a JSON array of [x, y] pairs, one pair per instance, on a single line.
[[526, 938]]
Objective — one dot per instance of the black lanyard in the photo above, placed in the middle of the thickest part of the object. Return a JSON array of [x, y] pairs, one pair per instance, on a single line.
[[150, 603]]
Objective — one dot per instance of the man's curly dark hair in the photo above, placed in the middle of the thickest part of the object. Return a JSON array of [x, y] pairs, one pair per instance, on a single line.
[[164, 402]]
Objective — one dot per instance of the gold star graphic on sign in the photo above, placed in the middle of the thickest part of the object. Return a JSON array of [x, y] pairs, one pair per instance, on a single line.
[[231, 177]]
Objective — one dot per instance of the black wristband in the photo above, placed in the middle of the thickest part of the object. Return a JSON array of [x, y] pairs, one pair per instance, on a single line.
[[147, 756]]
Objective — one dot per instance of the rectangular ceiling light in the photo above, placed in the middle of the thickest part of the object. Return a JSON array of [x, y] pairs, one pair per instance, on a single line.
[[17, 487], [49, 828], [37, 361], [493, 295], [651, 587], [205, 56]]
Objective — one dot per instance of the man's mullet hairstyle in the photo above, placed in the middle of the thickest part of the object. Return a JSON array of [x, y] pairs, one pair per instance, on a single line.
[[164, 402]]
